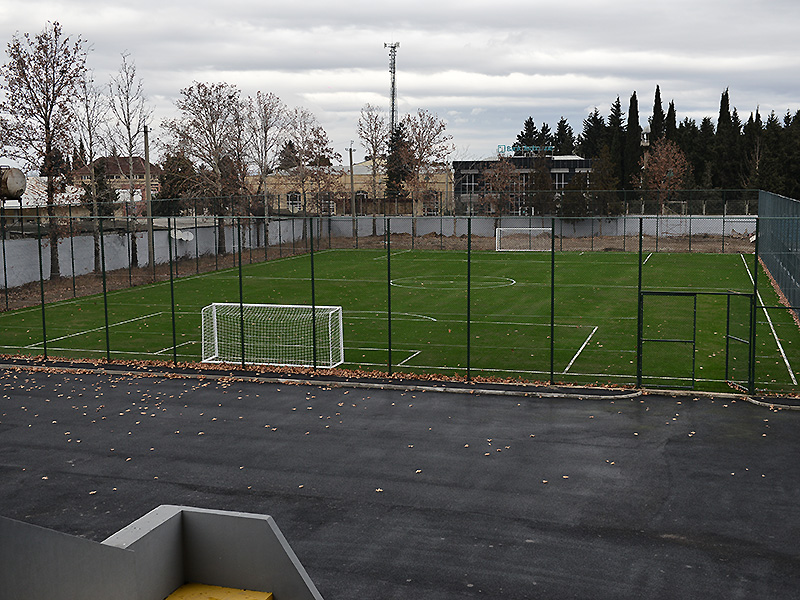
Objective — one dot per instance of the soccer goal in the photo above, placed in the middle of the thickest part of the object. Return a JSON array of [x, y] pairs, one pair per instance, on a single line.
[[523, 239], [274, 334]]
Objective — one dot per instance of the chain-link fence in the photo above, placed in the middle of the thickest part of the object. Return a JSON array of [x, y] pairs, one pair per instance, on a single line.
[[647, 299]]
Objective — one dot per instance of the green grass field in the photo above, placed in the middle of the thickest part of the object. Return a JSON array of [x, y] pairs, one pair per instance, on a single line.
[[595, 326]]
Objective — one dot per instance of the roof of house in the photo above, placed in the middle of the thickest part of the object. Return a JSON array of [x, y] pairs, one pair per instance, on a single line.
[[118, 165]]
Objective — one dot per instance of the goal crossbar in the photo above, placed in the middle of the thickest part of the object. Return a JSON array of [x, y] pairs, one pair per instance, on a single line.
[[274, 334], [523, 239]]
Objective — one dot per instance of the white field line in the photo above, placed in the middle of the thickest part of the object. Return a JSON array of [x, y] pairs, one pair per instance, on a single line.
[[63, 337], [383, 256], [578, 353], [178, 346], [402, 362], [648, 258], [771, 326], [349, 314]]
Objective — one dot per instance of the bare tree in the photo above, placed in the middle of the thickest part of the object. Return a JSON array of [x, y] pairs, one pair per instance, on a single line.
[[313, 153], [373, 131], [40, 81], [91, 109], [127, 102], [430, 145], [205, 133], [267, 123]]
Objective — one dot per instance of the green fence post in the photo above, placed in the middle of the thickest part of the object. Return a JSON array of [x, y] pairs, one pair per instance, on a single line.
[[313, 295], [105, 287], [751, 379], [388, 233], [640, 315], [72, 249], [172, 294], [241, 287], [5, 262], [41, 281], [469, 303], [552, 299], [196, 245]]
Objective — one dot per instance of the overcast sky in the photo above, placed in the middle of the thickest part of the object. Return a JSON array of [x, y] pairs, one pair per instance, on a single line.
[[484, 67]]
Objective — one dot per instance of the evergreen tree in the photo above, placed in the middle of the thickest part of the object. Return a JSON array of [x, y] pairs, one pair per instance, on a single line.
[[565, 138], [658, 120], [287, 159], [526, 138], [633, 145], [726, 166], [593, 136], [671, 125], [398, 164], [603, 180], [545, 137], [772, 172], [616, 140], [176, 180], [753, 142]]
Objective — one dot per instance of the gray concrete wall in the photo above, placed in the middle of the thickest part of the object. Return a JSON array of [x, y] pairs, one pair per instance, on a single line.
[[151, 558], [40, 564], [22, 255]]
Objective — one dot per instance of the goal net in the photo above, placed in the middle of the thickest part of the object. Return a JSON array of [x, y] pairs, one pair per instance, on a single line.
[[274, 334], [523, 239]]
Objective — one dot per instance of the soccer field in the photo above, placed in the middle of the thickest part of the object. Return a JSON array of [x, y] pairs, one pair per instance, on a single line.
[[688, 335]]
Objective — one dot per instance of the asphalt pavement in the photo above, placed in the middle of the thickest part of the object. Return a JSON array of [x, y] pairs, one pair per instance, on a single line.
[[419, 494]]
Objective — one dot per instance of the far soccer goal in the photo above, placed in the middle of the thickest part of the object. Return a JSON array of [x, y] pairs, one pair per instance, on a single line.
[[523, 239], [274, 334]]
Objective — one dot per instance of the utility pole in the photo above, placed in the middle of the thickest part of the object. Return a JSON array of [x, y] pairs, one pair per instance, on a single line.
[[392, 57], [149, 203], [352, 191]]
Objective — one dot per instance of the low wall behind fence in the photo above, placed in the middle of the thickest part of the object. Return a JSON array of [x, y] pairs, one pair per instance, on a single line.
[[192, 238]]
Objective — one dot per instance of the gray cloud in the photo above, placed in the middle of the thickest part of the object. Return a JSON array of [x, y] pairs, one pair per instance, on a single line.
[[483, 67]]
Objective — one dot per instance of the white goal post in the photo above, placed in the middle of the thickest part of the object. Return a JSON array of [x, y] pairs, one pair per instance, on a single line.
[[274, 334], [523, 239]]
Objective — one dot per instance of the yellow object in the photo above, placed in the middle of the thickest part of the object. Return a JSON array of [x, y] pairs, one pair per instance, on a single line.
[[199, 591]]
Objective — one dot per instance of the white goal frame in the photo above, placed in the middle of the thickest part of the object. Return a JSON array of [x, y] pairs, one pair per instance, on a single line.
[[502, 233], [274, 334]]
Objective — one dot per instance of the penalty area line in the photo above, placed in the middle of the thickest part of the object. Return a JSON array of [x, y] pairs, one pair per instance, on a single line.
[[578, 353], [64, 337]]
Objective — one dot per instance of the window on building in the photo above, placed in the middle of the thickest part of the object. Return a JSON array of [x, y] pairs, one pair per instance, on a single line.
[[294, 202]]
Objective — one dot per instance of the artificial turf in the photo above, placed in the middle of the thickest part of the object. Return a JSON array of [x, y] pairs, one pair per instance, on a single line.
[[500, 327]]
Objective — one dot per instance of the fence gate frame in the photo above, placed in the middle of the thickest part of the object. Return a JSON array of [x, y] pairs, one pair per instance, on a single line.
[[748, 341]]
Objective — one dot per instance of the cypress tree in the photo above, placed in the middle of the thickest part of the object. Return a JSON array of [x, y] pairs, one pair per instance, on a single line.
[[657, 121], [633, 145], [616, 140], [671, 126]]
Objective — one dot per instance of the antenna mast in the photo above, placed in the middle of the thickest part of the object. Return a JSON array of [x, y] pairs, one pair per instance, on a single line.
[[392, 56]]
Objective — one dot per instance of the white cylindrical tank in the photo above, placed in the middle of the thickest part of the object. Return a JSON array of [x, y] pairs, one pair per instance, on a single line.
[[12, 183]]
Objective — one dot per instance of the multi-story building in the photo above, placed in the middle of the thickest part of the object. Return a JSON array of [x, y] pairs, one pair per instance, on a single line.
[[476, 183], [117, 173]]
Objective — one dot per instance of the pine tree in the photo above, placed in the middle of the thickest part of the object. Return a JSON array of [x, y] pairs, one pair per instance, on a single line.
[[526, 138], [593, 136], [398, 164], [565, 138]]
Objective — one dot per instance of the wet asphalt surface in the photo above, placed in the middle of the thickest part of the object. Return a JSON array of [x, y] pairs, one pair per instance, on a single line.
[[409, 494]]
